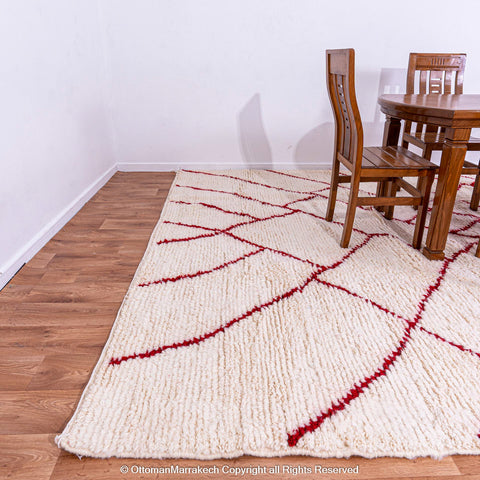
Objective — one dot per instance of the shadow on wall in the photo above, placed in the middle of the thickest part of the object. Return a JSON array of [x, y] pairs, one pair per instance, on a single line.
[[315, 148], [254, 144], [392, 80]]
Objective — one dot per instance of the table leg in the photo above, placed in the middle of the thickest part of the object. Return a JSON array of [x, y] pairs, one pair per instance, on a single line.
[[453, 156], [391, 134], [391, 131]]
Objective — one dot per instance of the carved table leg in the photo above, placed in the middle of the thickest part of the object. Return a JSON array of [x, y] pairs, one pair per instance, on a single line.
[[453, 155], [391, 131]]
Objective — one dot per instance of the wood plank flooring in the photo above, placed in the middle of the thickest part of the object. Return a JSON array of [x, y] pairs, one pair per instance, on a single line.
[[55, 316]]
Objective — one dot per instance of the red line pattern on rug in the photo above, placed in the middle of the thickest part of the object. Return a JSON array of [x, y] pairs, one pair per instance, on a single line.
[[213, 333], [201, 272], [388, 362], [362, 385], [456, 345]]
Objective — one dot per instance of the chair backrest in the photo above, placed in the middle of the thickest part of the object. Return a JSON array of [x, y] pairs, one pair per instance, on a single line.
[[341, 90], [438, 73]]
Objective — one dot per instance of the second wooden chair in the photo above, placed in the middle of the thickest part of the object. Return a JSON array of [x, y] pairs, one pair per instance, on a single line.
[[438, 73], [387, 165]]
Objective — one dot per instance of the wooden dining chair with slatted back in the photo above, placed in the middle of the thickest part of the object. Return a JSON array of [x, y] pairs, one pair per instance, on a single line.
[[430, 73], [372, 164]]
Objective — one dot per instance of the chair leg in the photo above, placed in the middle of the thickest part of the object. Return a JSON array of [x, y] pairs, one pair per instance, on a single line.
[[350, 215], [332, 197], [477, 254], [423, 210], [381, 188], [476, 193], [427, 155], [392, 190]]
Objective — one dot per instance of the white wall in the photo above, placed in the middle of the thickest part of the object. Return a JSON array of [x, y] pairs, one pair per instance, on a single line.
[[160, 85], [55, 145], [224, 83]]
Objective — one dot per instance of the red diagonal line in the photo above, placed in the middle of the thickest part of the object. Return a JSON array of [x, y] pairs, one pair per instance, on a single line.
[[244, 180], [409, 221], [244, 240], [186, 239], [231, 227], [216, 231], [352, 251], [466, 184], [209, 205], [196, 340], [470, 214], [388, 311], [340, 201], [316, 193], [295, 176], [281, 252], [213, 333], [245, 197], [466, 235], [457, 345], [201, 272], [285, 206], [357, 389], [274, 250], [466, 227], [322, 268], [360, 297], [317, 181]]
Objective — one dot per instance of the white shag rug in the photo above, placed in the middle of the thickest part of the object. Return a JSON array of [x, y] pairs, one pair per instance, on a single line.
[[248, 330]]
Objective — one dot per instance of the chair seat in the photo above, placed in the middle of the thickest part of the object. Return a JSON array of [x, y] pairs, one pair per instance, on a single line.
[[393, 161], [435, 140]]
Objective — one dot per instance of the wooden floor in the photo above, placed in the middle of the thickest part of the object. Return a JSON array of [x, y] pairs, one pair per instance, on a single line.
[[55, 316]]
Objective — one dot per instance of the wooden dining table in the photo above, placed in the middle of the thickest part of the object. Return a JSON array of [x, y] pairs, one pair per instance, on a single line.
[[458, 114]]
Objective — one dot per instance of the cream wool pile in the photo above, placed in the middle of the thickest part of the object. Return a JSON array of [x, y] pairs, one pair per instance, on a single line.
[[248, 330]]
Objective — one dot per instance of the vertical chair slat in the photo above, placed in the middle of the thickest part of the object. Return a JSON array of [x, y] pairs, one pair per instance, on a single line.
[[423, 82], [447, 85]]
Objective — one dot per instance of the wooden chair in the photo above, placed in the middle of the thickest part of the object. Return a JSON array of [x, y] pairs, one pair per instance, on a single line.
[[438, 73], [386, 165]]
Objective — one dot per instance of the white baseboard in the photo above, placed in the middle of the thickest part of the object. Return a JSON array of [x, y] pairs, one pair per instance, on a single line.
[[168, 167], [9, 269]]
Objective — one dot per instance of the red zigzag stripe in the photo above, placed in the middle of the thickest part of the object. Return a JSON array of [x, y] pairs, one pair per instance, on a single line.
[[209, 205], [357, 389], [456, 345], [206, 336], [246, 181], [200, 272], [285, 206]]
